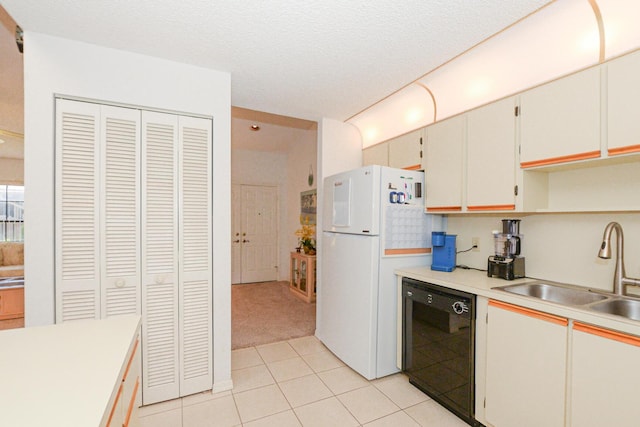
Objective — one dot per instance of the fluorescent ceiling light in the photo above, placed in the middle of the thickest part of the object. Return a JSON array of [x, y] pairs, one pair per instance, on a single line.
[[560, 38], [408, 109]]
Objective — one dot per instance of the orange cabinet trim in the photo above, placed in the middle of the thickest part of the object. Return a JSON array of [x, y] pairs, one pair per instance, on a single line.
[[529, 312], [492, 208], [407, 251], [413, 167], [624, 150], [132, 402], [133, 353], [607, 333], [444, 208], [561, 159], [115, 405]]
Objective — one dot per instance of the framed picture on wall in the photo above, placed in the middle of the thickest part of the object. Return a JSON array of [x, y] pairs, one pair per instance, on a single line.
[[308, 203]]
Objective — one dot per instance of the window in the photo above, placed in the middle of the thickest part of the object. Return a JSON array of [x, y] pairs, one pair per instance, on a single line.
[[11, 213]]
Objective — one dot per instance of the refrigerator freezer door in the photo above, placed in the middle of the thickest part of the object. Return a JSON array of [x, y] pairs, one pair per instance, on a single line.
[[352, 202], [348, 299]]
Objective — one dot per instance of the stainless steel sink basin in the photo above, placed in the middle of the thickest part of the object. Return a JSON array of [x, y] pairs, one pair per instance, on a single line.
[[555, 293], [619, 307]]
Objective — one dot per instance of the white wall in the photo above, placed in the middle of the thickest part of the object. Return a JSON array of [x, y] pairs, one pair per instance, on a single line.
[[556, 247], [58, 66], [300, 158], [339, 150]]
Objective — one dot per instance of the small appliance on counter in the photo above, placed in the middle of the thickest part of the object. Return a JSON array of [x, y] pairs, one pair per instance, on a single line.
[[443, 251], [506, 263]]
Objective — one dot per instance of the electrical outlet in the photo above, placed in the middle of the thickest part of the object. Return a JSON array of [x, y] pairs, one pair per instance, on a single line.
[[475, 242]]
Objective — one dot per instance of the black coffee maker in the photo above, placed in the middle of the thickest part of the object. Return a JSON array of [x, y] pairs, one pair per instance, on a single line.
[[506, 263]]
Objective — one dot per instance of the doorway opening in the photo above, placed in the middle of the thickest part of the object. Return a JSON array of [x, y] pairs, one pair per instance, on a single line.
[[11, 176], [270, 168]]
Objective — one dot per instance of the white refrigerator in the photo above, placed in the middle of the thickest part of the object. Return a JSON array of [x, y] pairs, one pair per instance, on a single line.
[[373, 223]]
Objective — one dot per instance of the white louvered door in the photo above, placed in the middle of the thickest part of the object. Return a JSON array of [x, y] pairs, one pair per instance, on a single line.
[[133, 234], [160, 257], [77, 211], [120, 211], [195, 255]]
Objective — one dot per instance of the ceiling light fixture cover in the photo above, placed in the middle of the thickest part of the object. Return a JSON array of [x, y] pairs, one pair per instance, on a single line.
[[563, 37], [255, 128]]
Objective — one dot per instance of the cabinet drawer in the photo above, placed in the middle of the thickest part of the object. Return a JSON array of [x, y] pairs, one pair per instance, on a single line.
[[11, 303]]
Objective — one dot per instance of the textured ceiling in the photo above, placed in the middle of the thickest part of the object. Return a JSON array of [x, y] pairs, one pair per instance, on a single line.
[[329, 58]]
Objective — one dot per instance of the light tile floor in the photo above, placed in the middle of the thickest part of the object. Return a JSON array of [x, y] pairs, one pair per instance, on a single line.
[[301, 383]]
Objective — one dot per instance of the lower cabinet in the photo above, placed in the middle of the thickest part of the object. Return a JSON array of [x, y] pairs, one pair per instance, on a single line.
[[303, 276], [604, 378], [526, 367], [124, 412], [545, 370], [11, 303]]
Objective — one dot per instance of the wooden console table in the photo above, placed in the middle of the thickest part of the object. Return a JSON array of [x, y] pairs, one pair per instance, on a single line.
[[302, 280]]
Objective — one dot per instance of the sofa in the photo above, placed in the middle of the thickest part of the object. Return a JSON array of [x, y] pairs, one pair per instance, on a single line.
[[11, 259]]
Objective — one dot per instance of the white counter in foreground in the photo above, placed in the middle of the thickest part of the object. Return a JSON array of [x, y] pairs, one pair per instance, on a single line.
[[65, 375]]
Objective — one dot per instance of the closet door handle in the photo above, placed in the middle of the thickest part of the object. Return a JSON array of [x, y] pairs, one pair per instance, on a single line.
[[245, 241], [236, 241]]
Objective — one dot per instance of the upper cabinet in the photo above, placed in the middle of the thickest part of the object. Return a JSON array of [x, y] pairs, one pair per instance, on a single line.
[[491, 157], [405, 151], [376, 155], [560, 121], [443, 165], [560, 147], [623, 92]]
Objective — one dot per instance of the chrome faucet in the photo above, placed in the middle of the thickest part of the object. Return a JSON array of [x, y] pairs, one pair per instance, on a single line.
[[620, 281]]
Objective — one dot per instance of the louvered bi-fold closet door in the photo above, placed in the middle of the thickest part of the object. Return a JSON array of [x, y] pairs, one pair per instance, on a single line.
[[120, 211], [77, 210], [160, 336], [195, 255]]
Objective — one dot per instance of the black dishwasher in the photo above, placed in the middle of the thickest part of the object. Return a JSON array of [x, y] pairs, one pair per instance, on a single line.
[[438, 354]]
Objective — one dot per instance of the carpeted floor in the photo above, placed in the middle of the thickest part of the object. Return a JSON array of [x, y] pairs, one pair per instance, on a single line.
[[268, 312]]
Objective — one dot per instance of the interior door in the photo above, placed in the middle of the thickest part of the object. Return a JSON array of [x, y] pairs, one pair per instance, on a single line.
[[255, 234]]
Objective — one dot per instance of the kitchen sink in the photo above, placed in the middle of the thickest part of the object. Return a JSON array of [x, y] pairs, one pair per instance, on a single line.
[[620, 307], [556, 293]]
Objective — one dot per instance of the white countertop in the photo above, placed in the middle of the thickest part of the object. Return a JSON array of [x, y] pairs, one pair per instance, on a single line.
[[478, 283], [62, 375]]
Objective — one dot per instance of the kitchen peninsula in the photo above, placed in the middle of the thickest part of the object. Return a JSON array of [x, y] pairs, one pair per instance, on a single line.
[[82, 373]]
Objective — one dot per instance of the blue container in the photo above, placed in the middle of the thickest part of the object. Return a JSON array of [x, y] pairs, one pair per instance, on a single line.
[[437, 238], [443, 251]]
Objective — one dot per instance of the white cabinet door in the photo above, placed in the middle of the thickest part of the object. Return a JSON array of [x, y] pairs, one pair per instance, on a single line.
[[405, 152], [604, 378], [560, 121], [160, 257], [526, 367], [195, 260], [376, 155], [491, 157], [623, 91], [443, 165], [120, 211], [77, 210]]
